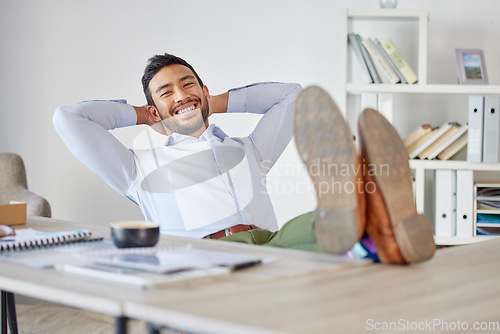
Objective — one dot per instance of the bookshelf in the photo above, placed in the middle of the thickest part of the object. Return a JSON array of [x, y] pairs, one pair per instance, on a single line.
[[420, 17], [354, 88]]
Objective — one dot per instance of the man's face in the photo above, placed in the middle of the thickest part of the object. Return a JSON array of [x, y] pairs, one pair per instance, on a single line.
[[181, 103]]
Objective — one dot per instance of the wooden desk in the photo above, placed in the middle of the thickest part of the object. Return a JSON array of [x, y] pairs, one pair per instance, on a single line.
[[300, 293], [123, 301], [458, 287]]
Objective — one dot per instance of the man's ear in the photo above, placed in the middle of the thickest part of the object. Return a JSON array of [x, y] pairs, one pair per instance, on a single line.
[[153, 113], [206, 92]]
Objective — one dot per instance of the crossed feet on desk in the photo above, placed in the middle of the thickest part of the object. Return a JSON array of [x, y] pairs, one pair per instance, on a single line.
[[368, 192]]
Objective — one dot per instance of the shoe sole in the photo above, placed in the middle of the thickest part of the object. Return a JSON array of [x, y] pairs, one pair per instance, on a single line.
[[382, 147], [326, 146]]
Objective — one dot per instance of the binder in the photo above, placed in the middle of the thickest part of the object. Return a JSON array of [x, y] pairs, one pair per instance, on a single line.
[[445, 183], [369, 100], [465, 203], [475, 132], [491, 129]]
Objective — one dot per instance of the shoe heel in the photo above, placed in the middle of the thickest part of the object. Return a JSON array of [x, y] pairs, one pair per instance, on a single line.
[[415, 239], [335, 229]]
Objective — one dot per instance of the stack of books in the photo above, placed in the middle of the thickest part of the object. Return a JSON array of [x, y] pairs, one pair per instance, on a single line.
[[436, 143], [381, 62]]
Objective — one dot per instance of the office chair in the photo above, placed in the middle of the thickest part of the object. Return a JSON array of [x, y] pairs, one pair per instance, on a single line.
[[14, 186]]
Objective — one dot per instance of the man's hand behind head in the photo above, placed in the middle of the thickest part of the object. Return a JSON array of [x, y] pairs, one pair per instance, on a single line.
[[143, 117], [218, 103]]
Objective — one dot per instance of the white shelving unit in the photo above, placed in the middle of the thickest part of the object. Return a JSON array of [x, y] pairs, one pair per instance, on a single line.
[[420, 17], [420, 166]]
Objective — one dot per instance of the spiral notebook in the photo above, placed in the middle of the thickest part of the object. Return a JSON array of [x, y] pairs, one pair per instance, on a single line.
[[29, 238]]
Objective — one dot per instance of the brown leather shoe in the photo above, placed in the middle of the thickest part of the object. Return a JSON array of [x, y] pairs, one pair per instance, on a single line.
[[398, 232], [326, 146]]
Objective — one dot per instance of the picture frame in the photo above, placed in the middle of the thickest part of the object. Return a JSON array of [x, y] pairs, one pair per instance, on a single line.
[[471, 67]]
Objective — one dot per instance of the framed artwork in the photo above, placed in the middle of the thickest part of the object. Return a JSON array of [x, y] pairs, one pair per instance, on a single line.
[[471, 67]]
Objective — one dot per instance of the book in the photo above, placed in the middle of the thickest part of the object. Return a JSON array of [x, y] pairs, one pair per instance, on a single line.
[[400, 62], [389, 61], [439, 141], [441, 130], [420, 140], [29, 238], [455, 147], [416, 133], [383, 68], [356, 47], [440, 148], [368, 60]]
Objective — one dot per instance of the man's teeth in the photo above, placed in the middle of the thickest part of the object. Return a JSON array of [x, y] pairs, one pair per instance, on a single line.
[[182, 111]]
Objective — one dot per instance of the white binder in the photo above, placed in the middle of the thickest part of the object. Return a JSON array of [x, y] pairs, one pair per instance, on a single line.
[[445, 183], [475, 132], [465, 203], [491, 129]]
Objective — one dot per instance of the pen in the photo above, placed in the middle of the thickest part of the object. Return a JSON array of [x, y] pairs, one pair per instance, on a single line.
[[244, 265]]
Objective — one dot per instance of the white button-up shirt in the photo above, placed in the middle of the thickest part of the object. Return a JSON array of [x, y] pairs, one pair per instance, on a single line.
[[190, 186]]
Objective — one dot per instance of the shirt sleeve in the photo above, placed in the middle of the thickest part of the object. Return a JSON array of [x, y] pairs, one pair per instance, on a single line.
[[84, 128], [275, 129]]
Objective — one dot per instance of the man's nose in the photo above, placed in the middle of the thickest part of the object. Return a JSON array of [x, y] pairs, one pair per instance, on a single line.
[[180, 96]]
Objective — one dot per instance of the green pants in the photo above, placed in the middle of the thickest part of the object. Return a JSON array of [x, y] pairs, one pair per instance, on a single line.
[[298, 233]]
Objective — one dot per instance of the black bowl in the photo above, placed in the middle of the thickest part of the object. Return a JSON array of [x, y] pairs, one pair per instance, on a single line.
[[135, 234]]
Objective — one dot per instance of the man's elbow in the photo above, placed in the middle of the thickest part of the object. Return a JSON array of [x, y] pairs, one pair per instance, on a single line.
[[295, 90], [59, 118], [62, 117]]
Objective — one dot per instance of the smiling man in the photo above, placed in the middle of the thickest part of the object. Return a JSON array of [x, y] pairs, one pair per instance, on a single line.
[[178, 100], [202, 183]]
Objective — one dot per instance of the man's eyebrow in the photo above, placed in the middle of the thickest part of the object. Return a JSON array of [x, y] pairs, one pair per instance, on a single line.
[[162, 87], [189, 76]]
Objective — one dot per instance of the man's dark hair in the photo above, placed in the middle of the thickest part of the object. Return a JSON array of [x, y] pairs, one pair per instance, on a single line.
[[155, 64]]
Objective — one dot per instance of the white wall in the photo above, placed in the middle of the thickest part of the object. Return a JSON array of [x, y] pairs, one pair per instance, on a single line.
[[56, 52]]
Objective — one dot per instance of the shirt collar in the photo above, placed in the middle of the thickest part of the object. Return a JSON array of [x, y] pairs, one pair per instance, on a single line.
[[213, 132]]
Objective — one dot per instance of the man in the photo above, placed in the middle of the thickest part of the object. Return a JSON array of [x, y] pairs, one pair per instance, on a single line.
[[203, 183]]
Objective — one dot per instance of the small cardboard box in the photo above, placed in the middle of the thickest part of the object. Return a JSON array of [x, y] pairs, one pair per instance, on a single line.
[[13, 214]]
